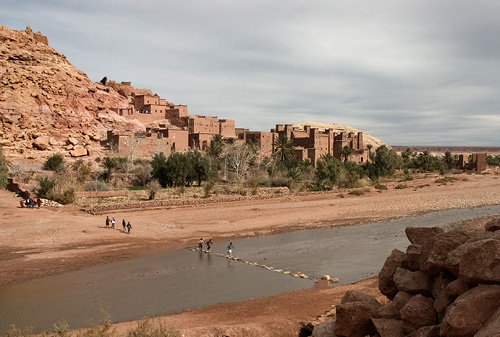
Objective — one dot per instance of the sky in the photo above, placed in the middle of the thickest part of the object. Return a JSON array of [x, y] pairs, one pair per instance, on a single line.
[[423, 72]]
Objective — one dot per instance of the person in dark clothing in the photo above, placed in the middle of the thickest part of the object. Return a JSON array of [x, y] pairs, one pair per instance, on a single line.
[[129, 226], [209, 245], [107, 222], [124, 225], [39, 202], [200, 244]]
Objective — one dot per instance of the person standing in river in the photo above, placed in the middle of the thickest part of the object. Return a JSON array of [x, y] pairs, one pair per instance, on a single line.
[[200, 244], [209, 245], [230, 248]]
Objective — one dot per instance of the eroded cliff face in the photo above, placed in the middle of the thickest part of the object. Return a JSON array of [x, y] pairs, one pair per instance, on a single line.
[[44, 100]]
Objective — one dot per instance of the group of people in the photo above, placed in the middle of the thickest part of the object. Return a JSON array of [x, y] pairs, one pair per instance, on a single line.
[[209, 244], [30, 203], [110, 223]]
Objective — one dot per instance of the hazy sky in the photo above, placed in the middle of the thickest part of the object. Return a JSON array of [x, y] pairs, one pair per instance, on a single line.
[[408, 72]]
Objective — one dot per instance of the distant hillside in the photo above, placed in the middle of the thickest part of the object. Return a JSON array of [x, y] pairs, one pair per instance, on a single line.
[[453, 149], [368, 139]]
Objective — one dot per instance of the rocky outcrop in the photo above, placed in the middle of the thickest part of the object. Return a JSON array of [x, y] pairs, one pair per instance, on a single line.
[[44, 99], [446, 285]]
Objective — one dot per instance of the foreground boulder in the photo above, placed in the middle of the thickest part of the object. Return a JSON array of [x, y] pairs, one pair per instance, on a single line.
[[471, 310], [446, 285]]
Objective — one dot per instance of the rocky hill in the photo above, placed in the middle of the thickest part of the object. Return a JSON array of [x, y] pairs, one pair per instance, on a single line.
[[44, 100]]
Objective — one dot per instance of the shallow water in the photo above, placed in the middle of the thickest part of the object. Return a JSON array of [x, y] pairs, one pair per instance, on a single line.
[[186, 279]]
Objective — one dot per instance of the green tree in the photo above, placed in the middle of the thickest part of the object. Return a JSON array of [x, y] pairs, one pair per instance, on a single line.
[[109, 164], [346, 152], [215, 149], [283, 149], [53, 163], [4, 170], [45, 186], [328, 170], [449, 160], [159, 169], [385, 163]]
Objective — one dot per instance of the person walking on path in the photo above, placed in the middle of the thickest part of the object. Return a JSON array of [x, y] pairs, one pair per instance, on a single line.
[[129, 226], [200, 244], [113, 223], [230, 248], [209, 245], [107, 222], [124, 225]]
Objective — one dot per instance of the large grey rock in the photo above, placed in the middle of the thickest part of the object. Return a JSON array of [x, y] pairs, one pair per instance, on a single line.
[[470, 311], [417, 313], [355, 296], [41, 143], [492, 327], [386, 284], [426, 331], [354, 320], [422, 235], [391, 309], [454, 257], [412, 282], [324, 329], [442, 299], [444, 243], [457, 287], [388, 327], [414, 257], [481, 262]]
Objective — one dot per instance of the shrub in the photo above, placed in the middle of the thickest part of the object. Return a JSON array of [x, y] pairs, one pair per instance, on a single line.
[[357, 192], [153, 328], [16, 332], [381, 187], [445, 180], [53, 163], [401, 186], [153, 187]]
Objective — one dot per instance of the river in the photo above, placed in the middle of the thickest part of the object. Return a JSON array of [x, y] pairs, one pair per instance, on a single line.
[[176, 281]]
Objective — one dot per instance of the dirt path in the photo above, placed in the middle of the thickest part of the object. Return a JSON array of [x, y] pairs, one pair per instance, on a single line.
[[44, 241]]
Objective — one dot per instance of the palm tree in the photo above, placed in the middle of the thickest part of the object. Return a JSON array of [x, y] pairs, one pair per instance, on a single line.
[[109, 164], [346, 152], [283, 149], [215, 148]]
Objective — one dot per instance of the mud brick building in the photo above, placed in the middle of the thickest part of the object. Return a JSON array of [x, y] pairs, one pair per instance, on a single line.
[[476, 162], [196, 132], [310, 143]]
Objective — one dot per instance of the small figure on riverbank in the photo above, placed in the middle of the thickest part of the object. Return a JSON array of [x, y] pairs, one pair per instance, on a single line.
[[230, 248], [39, 202], [200, 244], [129, 226], [209, 245], [21, 203], [113, 223], [107, 221], [124, 225]]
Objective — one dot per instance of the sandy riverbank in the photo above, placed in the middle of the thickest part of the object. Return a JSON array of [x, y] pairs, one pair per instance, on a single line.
[[43, 241]]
